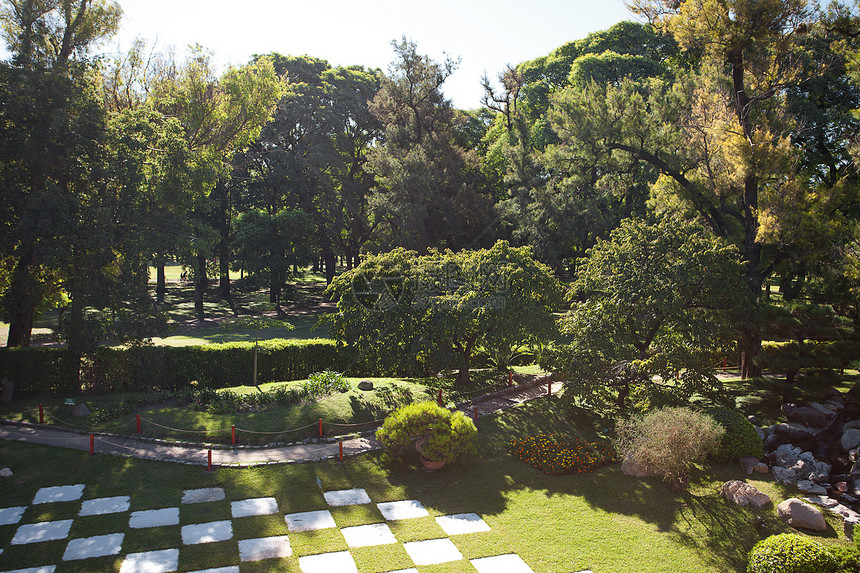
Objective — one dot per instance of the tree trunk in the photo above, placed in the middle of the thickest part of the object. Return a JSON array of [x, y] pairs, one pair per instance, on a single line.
[[22, 298], [160, 280], [200, 287], [224, 276], [330, 264]]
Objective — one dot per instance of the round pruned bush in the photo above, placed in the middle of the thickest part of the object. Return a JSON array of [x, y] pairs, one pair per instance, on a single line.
[[667, 441], [790, 553], [740, 440], [436, 432]]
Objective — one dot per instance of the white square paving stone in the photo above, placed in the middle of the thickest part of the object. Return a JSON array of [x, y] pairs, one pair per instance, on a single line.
[[230, 569], [258, 506], [105, 505], [501, 564], [207, 532], [343, 497], [42, 569], [407, 509], [340, 562], [162, 561], [203, 495], [411, 570], [11, 515], [462, 523], [368, 535], [309, 520], [264, 548], [97, 546], [432, 551], [154, 518], [59, 493], [44, 531]]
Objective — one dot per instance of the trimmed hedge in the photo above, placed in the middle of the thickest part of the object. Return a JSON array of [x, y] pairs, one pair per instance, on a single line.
[[141, 368], [740, 439], [790, 553]]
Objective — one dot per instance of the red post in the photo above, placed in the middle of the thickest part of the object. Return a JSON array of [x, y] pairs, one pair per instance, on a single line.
[[510, 378], [138, 423], [41, 414], [549, 387], [233, 432], [320, 428], [92, 444], [340, 451], [439, 398], [475, 415], [724, 362], [209, 462]]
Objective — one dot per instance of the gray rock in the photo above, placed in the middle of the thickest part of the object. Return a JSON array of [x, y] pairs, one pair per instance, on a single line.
[[365, 385], [830, 411], [748, 463], [753, 420], [785, 455], [838, 404], [822, 500], [793, 431], [848, 527], [852, 425], [760, 433], [784, 475], [850, 439], [799, 514], [761, 468], [744, 494], [80, 411], [804, 415], [807, 486], [6, 473]]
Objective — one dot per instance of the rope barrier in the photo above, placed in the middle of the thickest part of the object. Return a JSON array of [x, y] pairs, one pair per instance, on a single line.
[[238, 429], [200, 432], [96, 428]]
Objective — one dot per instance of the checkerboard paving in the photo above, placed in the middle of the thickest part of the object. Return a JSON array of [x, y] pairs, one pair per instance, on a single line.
[[56, 540]]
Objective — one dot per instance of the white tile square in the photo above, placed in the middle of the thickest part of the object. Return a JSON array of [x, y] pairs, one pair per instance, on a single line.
[[264, 548], [59, 493], [501, 564], [310, 520], [340, 562], [162, 561], [105, 505], [44, 531], [42, 569], [230, 569], [368, 535], [407, 509], [207, 532], [11, 515], [410, 570], [154, 518], [432, 551], [343, 497], [203, 495], [258, 506], [97, 546], [462, 523]]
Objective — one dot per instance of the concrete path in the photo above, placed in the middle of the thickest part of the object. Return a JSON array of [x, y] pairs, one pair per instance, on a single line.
[[242, 456]]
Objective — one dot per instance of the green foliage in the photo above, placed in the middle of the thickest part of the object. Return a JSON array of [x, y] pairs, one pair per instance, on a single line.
[[437, 433], [555, 455], [847, 557], [324, 383], [790, 553], [38, 371], [740, 438], [411, 314], [668, 441], [653, 307], [789, 358]]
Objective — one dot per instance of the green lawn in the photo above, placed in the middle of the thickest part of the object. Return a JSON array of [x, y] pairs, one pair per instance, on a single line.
[[603, 521]]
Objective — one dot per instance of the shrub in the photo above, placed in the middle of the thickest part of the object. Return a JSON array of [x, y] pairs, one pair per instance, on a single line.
[[847, 558], [322, 384], [437, 433], [790, 553], [554, 455], [740, 439], [668, 441]]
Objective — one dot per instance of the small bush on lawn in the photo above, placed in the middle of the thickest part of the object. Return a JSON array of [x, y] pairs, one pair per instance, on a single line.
[[790, 553], [436, 432], [554, 455], [668, 441], [740, 440], [847, 558], [322, 384]]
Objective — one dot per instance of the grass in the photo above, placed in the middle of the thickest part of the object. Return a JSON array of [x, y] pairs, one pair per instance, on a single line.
[[603, 521]]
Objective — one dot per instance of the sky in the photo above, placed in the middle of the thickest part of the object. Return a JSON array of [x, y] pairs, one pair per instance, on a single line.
[[485, 34]]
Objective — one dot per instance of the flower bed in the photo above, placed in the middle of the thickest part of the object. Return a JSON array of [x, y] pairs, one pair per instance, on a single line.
[[555, 455]]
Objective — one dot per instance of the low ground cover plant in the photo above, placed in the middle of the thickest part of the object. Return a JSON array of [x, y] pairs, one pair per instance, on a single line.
[[556, 455]]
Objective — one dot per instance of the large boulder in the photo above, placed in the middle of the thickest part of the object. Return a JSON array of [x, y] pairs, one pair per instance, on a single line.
[[850, 439], [80, 411], [793, 431], [805, 415], [743, 494], [784, 475], [365, 385], [799, 514]]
